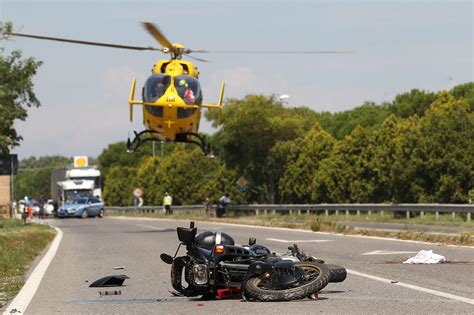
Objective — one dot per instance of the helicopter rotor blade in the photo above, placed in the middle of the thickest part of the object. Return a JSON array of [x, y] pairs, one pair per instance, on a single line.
[[159, 36], [198, 59], [83, 42], [279, 51]]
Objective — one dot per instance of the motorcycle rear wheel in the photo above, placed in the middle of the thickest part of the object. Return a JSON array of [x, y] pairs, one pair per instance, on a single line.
[[316, 277]]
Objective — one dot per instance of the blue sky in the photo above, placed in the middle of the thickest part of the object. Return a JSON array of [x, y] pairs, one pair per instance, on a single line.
[[397, 46]]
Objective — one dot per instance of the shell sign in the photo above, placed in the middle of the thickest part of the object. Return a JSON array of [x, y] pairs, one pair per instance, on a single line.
[[81, 161]]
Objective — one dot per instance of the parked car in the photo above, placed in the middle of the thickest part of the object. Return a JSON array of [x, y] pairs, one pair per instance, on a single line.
[[36, 208], [82, 208], [49, 207]]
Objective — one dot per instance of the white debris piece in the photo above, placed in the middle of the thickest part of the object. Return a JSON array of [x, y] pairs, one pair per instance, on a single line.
[[425, 257]]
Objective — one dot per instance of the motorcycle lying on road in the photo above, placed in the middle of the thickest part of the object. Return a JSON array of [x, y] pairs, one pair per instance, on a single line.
[[214, 267]]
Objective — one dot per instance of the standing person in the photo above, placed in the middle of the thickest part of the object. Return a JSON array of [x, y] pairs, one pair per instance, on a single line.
[[222, 204], [41, 202], [207, 206], [167, 202]]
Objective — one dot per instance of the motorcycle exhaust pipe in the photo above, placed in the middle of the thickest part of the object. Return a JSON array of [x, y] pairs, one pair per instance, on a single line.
[[234, 266]]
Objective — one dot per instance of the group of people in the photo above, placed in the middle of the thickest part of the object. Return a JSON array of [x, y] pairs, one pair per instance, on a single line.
[[222, 203], [25, 207]]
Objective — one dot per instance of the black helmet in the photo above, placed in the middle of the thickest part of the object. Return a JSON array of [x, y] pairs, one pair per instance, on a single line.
[[208, 239]]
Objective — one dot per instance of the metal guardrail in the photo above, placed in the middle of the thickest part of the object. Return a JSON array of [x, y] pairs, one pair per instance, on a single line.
[[259, 209]]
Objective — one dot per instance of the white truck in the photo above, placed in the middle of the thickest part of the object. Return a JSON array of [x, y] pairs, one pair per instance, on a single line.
[[69, 183]]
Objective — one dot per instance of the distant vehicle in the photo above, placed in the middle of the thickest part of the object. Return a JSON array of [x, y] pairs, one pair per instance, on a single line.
[[73, 182], [82, 208], [36, 209], [49, 207]]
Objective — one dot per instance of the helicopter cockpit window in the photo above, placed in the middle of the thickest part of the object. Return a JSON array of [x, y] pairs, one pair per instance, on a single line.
[[188, 89], [155, 86]]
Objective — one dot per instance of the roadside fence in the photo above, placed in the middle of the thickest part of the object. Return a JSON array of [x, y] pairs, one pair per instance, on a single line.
[[406, 209]]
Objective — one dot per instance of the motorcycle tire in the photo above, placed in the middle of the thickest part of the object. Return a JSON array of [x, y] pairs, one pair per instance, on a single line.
[[338, 273], [252, 291], [176, 274]]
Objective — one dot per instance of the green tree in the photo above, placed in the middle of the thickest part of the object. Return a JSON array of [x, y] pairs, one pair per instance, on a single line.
[[16, 92], [465, 91], [148, 179], [251, 127], [190, 177], [345, 176], [415, 102], [369, 116], [44, 161], [303, 164], [34, 175], [119, 188], [116, 155], [435, 159], [382, 148]]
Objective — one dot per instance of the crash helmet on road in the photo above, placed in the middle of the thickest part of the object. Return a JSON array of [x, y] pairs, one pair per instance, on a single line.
[[208, 239]]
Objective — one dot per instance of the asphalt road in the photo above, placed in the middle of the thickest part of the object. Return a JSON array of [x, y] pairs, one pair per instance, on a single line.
[[92, 247]]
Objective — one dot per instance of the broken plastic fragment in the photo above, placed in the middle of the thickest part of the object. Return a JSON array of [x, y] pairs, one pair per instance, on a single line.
[[109, 281], [115, 292]]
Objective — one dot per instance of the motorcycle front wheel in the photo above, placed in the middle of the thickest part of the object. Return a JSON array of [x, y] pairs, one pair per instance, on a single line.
[[316, 277]]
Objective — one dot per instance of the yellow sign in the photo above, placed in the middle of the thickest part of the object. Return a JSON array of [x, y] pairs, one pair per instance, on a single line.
[[242, 182], [81, 161]]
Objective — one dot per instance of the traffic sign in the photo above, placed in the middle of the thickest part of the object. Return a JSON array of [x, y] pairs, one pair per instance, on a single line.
[[137, 192], [242, 182]]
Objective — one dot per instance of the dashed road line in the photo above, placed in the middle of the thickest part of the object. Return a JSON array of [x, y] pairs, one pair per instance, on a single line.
[[388, 252]]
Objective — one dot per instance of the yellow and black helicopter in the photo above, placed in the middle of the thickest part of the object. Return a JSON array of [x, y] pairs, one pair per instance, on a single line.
[[171, 97]]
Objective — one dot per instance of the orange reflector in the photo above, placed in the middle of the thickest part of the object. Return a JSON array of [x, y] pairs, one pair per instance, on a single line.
[[219, 249]]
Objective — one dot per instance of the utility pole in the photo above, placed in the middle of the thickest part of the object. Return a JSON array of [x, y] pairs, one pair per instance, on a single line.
[[153, 147], [162, 144], [12, 188]]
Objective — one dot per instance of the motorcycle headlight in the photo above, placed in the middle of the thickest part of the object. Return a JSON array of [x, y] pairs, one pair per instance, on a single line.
[[200, 274]]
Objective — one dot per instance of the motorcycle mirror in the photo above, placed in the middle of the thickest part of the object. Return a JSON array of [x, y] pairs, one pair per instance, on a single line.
[[252, 241], [166, 258], [191, 225]]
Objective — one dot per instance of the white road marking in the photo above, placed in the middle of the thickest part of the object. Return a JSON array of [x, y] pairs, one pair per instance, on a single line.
[[297, 241], [388, 252], [26, 294], [413, 287]]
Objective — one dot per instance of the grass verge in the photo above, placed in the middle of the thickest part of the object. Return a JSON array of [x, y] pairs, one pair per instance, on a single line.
[[323, 224], [19, 245]]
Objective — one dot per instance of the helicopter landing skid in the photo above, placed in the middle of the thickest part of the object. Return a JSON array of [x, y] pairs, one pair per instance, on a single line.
[[132, 146], [201, 142]]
